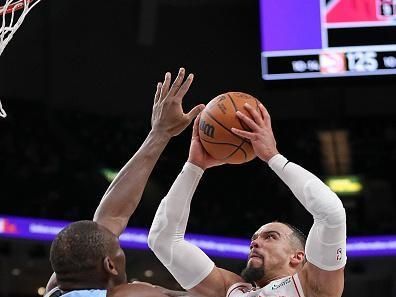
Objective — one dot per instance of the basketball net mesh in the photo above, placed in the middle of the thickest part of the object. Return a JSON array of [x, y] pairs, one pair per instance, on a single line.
[[10, 23]]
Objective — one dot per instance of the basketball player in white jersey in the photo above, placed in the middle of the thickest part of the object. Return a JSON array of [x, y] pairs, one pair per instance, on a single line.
[[86, 256], [278, 264]]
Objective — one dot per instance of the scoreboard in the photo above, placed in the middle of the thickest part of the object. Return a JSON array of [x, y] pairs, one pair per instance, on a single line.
[[327, 38]]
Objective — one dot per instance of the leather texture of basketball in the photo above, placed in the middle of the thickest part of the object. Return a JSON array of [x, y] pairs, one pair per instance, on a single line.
[[215, 124]]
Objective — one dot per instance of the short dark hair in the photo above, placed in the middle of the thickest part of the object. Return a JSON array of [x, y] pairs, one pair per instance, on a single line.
[[298, 237], [79, 247]]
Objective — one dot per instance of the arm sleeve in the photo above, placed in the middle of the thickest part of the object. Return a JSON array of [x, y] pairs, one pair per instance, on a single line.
[[326, 242], [187, 263]]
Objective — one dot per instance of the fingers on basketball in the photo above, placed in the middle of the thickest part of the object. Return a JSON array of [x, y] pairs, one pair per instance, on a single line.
[[266, 116], [215, 124], [242, 133], [196, 127]]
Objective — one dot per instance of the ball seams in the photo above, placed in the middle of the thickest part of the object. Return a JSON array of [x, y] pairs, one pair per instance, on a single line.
[[229, 130], [238, 147], [222, 109]]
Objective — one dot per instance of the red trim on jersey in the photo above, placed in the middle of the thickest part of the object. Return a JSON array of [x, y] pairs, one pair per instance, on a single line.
[[295, 285], [237, 287]]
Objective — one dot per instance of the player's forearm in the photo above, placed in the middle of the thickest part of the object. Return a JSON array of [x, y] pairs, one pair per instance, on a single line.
[[166, 236], [124, 193], [326, 242], [313, 194]]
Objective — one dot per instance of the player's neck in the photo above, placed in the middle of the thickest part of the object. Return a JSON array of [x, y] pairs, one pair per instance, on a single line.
[[67, 287], [81, 281], [265, 281]]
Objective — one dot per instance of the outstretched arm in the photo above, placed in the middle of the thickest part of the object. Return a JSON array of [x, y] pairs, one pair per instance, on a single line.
[[124, 193], [188, 264], [168, 120], [323, 275]]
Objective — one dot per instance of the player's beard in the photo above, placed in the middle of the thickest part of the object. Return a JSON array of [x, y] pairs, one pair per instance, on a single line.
[[252, 274]]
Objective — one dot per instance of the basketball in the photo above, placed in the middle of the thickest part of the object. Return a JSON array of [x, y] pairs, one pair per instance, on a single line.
[[215, 124]]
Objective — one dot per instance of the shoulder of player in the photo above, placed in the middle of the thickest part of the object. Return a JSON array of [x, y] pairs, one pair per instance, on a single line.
[[316, 282], [135, 290], [231, 280]]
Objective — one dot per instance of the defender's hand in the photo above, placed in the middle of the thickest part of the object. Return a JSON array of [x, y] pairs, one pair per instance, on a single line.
[[168, 116]]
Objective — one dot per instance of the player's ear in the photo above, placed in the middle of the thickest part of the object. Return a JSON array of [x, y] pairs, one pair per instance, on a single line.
[[297, 258], [109, 266]]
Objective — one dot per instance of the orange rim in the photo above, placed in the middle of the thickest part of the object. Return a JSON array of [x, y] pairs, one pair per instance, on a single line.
[[17, 5]]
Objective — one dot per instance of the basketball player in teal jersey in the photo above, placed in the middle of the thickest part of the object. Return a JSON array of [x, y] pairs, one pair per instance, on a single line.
[[86, 256], [279, 263]]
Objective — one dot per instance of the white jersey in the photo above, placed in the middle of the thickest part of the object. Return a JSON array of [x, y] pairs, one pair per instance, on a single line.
[[289, 286]]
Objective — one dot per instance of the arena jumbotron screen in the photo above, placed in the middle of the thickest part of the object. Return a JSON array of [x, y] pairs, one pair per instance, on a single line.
[[327, 38]]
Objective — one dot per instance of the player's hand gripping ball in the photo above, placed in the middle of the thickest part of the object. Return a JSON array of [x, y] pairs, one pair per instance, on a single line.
[[215, 124]]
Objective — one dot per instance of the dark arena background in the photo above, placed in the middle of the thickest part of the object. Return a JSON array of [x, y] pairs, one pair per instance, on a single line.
[[77, 82]]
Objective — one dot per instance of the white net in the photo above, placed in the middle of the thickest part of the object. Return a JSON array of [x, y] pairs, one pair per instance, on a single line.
[[3, 114], [12, 14]]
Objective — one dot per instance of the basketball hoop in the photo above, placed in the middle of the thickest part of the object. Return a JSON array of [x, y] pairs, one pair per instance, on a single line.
[[3, 114], [12, 14], [11, 22]]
